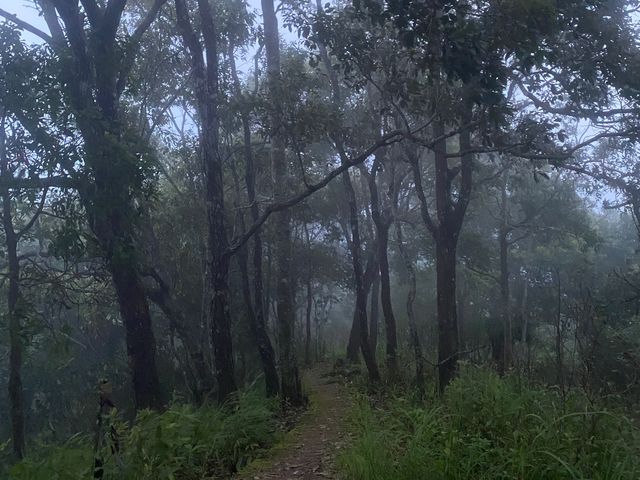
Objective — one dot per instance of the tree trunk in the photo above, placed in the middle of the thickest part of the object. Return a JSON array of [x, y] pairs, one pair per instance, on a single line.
[[353, 346], [446, 304], [257, 317], [505, 310], [307, 340], [16, 395], [413, 326], [374, 313], [291, 388], [385, 297]]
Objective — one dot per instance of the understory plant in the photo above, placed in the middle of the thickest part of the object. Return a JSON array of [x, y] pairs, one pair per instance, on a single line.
[[485, 427], [182, 442]]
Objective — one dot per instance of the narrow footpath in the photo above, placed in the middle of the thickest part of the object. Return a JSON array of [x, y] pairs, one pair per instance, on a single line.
[[309, 451]]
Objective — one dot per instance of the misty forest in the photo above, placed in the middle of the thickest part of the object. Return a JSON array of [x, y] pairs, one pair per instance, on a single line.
[[358, 240]]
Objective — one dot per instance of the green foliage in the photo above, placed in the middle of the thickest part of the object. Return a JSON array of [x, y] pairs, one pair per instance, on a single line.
[[490, 428], [182, 442]]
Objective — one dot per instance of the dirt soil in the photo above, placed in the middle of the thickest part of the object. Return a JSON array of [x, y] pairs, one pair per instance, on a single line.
[[308, 452]]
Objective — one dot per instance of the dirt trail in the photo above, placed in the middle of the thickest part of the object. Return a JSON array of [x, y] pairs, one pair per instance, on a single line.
[[308, 452]]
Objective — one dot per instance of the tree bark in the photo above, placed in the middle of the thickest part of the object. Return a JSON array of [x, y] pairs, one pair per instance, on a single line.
[[290, 386]]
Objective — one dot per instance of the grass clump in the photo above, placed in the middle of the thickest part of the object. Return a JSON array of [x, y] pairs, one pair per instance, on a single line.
[[183, 442], [490, 428]]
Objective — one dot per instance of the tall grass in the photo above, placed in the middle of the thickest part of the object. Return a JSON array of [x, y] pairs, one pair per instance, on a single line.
[[490, 428], [181, 443]]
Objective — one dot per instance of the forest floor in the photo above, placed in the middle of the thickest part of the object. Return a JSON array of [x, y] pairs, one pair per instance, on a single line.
[[308, 451]]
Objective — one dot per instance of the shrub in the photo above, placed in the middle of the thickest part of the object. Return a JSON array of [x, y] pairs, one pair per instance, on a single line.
[[182, 442]]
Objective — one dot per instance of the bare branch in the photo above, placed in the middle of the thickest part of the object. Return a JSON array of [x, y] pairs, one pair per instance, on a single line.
[[13, 18]]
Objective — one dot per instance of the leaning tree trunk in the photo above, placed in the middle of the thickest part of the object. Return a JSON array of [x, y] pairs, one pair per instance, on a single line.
[[291, 388]]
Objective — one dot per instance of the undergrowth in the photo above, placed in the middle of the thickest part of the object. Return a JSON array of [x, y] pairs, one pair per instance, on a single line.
[[181, 443], [486, 428]]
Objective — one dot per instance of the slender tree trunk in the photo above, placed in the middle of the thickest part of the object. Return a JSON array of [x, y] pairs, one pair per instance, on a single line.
[[291, 388], [374, 312], [524, 314], [257, 318], [16, 396], [504, 278], [413, 326], [307, 340], [385, 296], [558, 339]]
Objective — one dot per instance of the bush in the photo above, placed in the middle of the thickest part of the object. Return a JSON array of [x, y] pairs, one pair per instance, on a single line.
[[489, 428], [180, 443]]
